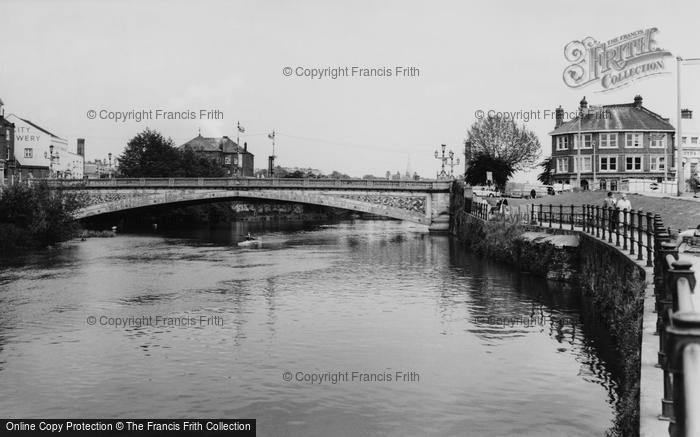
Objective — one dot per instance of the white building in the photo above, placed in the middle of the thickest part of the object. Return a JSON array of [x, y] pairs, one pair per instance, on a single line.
[[690, 132], [36, 148]]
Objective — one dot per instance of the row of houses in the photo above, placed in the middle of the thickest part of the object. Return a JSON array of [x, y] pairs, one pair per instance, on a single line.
[[606, 145]]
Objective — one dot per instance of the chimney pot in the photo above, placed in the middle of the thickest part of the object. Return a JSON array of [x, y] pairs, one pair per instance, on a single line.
[[637, 101], [559, 120]]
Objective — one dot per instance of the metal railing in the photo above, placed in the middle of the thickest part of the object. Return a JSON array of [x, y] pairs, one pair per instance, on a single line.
[[677, 303], [371, 184], [678, 326], [632, 231]]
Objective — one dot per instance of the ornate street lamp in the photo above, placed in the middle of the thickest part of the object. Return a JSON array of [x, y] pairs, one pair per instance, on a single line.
[[444, 161]]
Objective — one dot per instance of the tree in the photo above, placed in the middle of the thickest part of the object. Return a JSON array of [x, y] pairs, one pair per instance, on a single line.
[[149, 154], [501, 139], [482, 163], [547, 175]]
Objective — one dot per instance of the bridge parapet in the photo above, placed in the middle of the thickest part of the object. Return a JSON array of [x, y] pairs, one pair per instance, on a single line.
[[362, 184]]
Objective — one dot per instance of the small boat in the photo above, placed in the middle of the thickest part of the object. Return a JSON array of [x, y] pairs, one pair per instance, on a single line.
[[250, 241]]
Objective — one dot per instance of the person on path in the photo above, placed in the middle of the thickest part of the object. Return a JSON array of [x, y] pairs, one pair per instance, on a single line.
[[610, 202], [624, 205]]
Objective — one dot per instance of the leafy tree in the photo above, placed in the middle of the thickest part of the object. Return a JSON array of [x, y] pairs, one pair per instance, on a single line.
[[482, 163], [547, 175], [149, 154], [503, 141]]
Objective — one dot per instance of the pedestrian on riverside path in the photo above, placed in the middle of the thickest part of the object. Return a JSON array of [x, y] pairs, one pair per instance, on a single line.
[[610, 202], [624, 205]]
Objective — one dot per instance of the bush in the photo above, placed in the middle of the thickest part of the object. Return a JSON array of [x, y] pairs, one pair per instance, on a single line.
[[35, 216]]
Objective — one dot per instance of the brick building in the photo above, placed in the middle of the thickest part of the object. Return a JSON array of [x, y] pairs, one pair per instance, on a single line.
[[7, 147], [236, 160], [621, 141]]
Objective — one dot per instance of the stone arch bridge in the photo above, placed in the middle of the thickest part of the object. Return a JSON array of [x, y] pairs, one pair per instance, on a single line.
[[424, 202]]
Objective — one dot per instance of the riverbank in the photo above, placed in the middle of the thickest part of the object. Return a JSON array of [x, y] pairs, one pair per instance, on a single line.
[[35, 217], [611, 281]]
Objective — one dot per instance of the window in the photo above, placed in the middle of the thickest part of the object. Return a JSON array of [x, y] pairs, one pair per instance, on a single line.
[[658, 141], [608, 163], [633, 140], [586, 163], [694, 140], [633, 163], [657, 163], [7, 134], [28, 153], [562, 142], [685, 140], [562, 165], [227, 160], [608, 141], [587, 141]]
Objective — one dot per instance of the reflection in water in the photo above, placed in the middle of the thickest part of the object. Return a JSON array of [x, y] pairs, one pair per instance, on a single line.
[[498, 352]]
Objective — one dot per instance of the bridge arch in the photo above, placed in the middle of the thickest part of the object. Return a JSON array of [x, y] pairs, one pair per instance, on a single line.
[[413, 210]]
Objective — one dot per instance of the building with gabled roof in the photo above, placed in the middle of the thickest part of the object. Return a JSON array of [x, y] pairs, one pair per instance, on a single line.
[[236, 160], [39, 153], [618, 142]]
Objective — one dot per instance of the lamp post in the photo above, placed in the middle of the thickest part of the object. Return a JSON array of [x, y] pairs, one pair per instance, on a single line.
[[444, 161], [680, 173], [109, 155], [51, 157]]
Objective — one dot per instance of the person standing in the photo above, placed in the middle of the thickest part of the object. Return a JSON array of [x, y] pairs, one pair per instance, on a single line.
[[624, 205], [609, 203]]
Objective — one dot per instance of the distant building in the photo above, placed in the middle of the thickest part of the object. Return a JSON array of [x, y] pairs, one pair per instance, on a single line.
[[690, 132], [39, 153], [236, 160], [7, 148], [101, 168], [313, 172], [621, 141]]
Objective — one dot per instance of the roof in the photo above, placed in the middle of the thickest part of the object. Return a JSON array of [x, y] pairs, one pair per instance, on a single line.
[[213, 144], [620, 117], [35, 126]]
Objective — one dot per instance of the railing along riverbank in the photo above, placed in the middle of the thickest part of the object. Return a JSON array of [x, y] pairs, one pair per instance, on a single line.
[[643, 236]]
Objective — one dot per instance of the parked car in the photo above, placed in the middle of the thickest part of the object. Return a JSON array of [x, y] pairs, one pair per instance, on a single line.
[[516, 194], [484, 191]]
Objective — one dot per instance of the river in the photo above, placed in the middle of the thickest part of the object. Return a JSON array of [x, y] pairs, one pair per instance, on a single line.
[[380, 327]]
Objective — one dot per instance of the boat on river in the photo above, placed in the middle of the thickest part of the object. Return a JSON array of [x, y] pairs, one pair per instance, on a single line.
[[250, 241]]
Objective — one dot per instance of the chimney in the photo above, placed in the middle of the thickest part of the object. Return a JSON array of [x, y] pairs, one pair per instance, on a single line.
[[637, 101], [559, 117], [81, 147], [245, 146], [2, 108], [686, 114], [584, 104]]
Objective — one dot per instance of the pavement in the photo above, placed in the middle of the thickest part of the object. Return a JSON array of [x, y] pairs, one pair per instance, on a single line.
[[677, 213]]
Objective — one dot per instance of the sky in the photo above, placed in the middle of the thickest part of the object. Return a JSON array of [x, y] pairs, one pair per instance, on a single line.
[[62, 59]]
